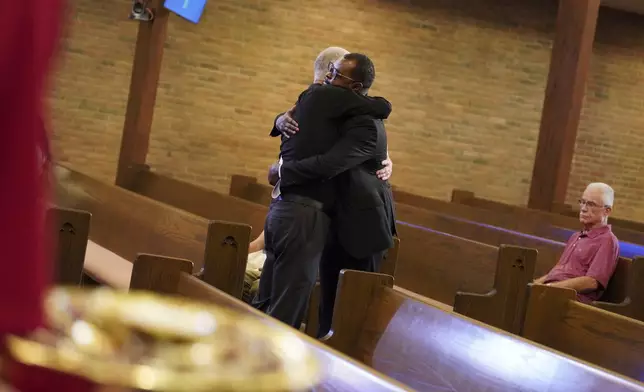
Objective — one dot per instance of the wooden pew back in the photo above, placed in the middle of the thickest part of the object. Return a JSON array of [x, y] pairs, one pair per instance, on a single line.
[[127, 224], [388, 267], [629, 299], [437, 265], [470, 199], [504, 306], [71, 232], [556, 319], [199, 201], [549, 251], [508, 221], [619, 286], [247, 188], [429, 349], [158, 273]]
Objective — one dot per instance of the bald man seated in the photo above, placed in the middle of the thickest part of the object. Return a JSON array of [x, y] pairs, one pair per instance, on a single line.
[[590, 256]]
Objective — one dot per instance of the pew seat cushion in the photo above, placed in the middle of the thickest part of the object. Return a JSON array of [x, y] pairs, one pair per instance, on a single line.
[[107, 267]]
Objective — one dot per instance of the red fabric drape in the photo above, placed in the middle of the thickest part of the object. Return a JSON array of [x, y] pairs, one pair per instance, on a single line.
[[29, 33]]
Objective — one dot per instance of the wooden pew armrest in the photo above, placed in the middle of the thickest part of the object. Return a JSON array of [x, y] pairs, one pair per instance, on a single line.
[[611, 306], [489, 294], [475, 305]]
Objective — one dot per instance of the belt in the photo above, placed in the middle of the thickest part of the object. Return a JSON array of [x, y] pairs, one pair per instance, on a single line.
[[307, 201]]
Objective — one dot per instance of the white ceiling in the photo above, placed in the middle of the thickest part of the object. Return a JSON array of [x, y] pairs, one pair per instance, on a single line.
[[626, 5]]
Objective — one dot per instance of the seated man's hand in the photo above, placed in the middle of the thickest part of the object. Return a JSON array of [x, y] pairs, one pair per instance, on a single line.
[[286, 124], [273, 174], [385, 173]]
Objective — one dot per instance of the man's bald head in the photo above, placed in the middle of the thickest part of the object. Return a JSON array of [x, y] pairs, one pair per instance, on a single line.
[[327, 56]]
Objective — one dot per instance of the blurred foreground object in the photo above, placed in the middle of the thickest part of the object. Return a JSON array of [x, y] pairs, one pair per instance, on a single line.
[[146, 341], [29, 32]]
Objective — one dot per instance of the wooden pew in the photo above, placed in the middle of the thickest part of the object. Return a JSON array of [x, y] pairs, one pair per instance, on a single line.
[[128, 224], [388, 267], [469, 198], [429, 349], [631, 293], [556, 319], [524, 223], [158, 273], [618, 290], [71, 232], [147, 272], [198, 200], [549, 250], [247, 188], [503, 306], [341, 373]]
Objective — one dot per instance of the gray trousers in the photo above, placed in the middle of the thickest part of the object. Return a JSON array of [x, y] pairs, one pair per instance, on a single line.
[[295, 235]]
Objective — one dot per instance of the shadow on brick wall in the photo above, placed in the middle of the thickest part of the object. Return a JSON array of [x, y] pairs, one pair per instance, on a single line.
[[620, 29], [615, 27], [498, 14]]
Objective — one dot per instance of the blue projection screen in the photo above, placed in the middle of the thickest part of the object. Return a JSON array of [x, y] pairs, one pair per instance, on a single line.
[[188, 9]]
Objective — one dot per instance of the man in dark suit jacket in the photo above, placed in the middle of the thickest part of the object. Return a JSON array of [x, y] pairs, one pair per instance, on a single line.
[[298, 221], [363, 222]]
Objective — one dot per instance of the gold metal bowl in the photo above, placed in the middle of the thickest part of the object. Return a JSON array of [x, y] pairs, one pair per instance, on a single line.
[[150, 342]]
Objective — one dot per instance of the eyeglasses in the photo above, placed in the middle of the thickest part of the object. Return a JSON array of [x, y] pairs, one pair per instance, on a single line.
[[590, 204], [334, 73]]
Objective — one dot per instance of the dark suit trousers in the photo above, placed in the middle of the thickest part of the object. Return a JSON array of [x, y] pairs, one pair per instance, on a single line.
[[334, 260], [295, 235]]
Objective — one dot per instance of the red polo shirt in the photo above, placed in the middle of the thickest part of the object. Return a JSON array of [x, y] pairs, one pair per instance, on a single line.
[[588, 253]]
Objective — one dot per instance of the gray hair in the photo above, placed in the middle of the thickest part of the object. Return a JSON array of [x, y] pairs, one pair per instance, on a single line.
[[608, 194], [328, 55]]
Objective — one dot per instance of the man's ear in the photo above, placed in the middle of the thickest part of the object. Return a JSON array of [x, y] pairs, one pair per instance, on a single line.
[[357, 86]]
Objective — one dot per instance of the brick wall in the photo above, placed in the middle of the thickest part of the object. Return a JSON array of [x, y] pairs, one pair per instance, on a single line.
[[466, 79]]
